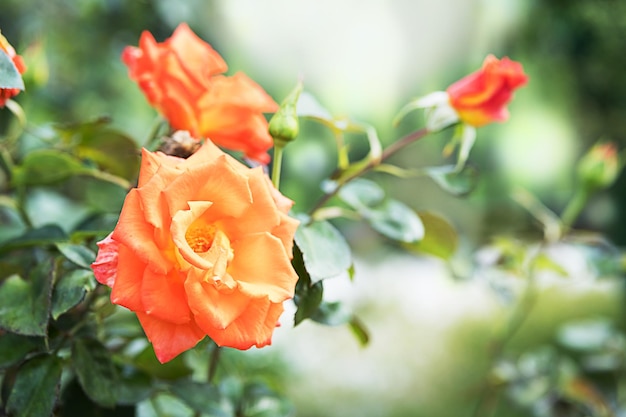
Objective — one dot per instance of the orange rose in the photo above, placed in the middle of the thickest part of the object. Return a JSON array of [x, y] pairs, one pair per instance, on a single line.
[[7, 93], [180, 78], [202, 247], [481, 97]]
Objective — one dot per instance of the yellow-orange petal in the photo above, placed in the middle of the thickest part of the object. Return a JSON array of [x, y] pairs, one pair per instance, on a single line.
[[261, 267], [129, 279], [164, 297], [213, 309], [285, 231], [181, 223], [137, 234], [253, 328], [215, 181], [168, 339], [197, 55]]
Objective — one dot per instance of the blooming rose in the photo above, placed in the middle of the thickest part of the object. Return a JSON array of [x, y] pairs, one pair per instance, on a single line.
[[7, 93], [180, 78], [481, 97], [202, 247]]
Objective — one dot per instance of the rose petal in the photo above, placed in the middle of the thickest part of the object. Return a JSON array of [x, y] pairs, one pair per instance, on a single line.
[[168, 339]]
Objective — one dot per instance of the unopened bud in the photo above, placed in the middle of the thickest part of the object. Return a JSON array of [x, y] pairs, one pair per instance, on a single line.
[[284, 126], [599, 167]]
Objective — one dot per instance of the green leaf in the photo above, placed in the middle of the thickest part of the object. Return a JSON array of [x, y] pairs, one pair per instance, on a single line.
[[42, 236], [204, 398], [359, 331], [36, 387], [332, 314], [133, 386], [25, 305], [361, 193], [259, 401], [95, 370], [10, 77], [113, 151], [14, 347], [440, 238], [47, 166], [70, 290], [164, 405], [458, 183], [78, 254], [307, 296], [325, 252], [174, 369], [396, 221]]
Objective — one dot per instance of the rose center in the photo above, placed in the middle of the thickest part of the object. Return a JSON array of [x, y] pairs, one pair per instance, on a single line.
[[201, 238]]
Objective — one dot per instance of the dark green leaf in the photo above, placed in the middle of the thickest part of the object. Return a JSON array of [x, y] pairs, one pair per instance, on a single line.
[[174, 369], [361, 193], [95, 370], [111, 150], [14, 347], [133, 386], [456, 183], [440, 238], [396, 221], [332, 314], [78, 254], [25, 305], [47, 166], [9, 75], [45, 235], [70, 290], [359, 331], [36, 387], [164, 405], [325, 252], [204, 398], [260, 401], [308, 296]]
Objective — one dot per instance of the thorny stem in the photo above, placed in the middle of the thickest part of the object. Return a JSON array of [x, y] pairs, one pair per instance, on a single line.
[[391, 150]]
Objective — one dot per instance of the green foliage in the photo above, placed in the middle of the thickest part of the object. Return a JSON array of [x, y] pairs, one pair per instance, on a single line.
[[9, 75], [36, 387]]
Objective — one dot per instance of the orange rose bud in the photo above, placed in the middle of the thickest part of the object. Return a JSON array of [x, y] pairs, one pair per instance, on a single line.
[[8, 93], [181, 78], [600, 166], [481, 97], [202, 247]]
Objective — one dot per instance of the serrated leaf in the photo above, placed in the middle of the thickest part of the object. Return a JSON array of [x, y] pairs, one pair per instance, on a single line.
[[70, 290], [45, 235], [78, 254], [14, 347], [396, 221], [96, 373], [332, 313], [47, 166], [25, 305], [307, 296], [36, 387], [361, 193], [204, 398], [10, 77], [440, 238], [325, 252], [458, 183]]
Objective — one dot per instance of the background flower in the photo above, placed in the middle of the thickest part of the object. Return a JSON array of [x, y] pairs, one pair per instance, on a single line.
[[202, 247], [481, 97], [180, 78]]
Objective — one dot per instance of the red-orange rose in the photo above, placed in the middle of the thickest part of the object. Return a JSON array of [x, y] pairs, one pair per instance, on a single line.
[[481, 97], [7, 93], [180, 78], [202, 247]]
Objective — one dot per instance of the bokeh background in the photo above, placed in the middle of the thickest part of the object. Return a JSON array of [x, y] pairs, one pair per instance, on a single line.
[[430, 328]]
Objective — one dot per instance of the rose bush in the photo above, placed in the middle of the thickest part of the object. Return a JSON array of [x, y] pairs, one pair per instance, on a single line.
[[202, 247], [181, 78], [481, 97], [7, 93]]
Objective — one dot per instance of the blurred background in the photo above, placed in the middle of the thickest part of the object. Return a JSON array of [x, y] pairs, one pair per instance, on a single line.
[[431, 328]]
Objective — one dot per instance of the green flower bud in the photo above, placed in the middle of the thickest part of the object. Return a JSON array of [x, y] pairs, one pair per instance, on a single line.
[[599, 167], [284, 126]]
